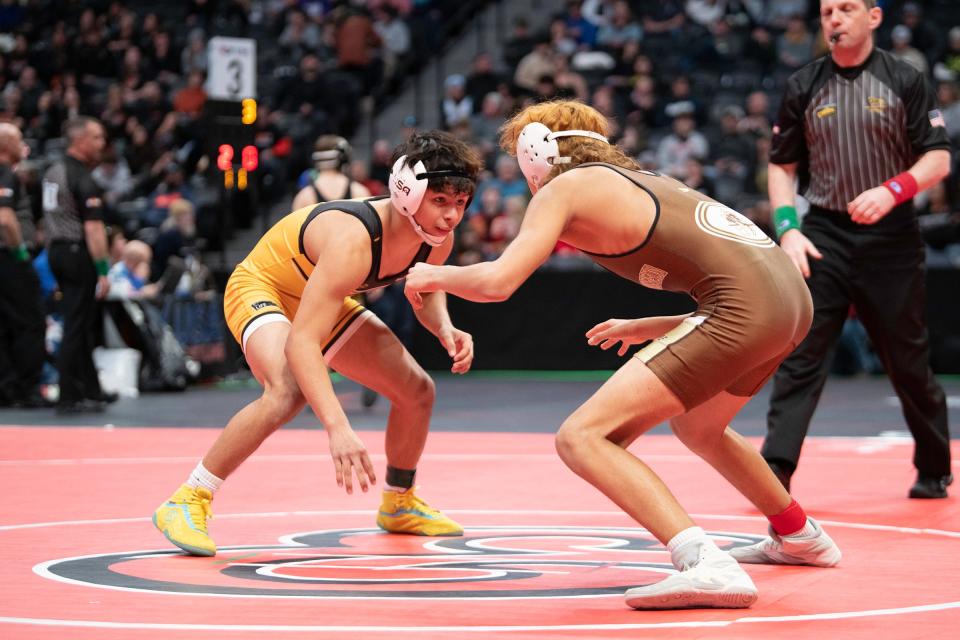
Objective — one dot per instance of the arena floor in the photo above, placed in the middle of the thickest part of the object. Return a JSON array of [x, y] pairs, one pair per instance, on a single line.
[[544, 555]]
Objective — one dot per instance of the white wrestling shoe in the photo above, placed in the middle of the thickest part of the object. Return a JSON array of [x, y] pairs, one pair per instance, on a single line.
[[715, 580], [818, 550]]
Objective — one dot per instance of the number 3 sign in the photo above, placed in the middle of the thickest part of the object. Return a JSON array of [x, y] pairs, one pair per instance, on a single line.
[[233, 68]]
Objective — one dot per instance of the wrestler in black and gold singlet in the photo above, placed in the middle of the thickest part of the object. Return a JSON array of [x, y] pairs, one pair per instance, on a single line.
[[271, 279]]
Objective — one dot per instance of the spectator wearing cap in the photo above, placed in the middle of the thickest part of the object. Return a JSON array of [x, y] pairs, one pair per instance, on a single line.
[[900, 38], [456, 106]]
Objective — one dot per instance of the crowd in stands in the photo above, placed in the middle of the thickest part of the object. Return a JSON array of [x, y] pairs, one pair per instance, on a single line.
[[691, 89]]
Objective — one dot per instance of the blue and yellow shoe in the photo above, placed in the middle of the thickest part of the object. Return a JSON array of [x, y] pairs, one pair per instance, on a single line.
[[183, 520], [404, 512]]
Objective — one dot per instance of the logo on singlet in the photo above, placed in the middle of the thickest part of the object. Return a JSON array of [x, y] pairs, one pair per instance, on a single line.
[[652, 277], [263, 303], [723, 222]]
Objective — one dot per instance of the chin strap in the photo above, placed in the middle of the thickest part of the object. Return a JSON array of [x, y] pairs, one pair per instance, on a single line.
[[433, 241]]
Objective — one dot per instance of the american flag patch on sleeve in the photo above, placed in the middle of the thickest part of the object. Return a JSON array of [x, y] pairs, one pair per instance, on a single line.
[[936, 118]]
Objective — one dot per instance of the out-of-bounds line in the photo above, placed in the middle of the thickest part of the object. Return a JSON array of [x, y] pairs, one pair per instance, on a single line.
[[813, 617], [486, 512]]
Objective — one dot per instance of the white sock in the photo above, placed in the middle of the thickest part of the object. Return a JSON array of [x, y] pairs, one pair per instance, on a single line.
[[200, 477], [388, 487], [684, 547], [808, 531]]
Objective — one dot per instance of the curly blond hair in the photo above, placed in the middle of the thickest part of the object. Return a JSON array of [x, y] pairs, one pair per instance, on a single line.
[[561, 115]]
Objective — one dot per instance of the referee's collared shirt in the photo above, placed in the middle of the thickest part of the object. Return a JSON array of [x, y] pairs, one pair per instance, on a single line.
[[853, 128], [70, 198]]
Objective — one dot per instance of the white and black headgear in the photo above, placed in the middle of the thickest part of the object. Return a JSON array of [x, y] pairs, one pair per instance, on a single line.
[[538, 151]]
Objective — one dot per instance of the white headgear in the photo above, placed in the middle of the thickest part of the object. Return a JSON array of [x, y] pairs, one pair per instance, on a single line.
[[538, 151], [407, 187]]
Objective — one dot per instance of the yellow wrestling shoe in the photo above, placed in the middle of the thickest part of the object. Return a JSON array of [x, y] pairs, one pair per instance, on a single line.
[[183, 520], [404, 512]]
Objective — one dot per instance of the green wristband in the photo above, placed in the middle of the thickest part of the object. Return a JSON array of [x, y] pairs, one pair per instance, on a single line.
[[103, 267], [21, 254], [784, 219]]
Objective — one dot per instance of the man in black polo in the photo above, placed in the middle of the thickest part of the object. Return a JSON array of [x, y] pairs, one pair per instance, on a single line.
[[77, 246], [862, 131], [22, 321]]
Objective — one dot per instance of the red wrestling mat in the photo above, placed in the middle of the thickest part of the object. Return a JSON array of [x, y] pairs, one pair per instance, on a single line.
[[544, 556]]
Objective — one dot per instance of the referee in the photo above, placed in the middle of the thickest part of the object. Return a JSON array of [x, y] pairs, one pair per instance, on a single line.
[[77, 248], [862, 131], [22, 323]]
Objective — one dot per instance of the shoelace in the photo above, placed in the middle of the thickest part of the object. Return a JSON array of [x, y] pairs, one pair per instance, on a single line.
[[200, 507], [409, 500]]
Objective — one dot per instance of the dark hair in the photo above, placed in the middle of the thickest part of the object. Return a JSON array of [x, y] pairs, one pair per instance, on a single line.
[[438, 150], [76, 126]]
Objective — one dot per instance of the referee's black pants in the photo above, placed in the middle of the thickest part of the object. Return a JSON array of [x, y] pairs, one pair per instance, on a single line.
[[76, 276], [23, 328], [884, 278]]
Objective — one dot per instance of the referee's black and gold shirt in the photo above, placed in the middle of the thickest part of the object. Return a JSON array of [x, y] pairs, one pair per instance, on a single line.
[[70, 198], [853, 128]]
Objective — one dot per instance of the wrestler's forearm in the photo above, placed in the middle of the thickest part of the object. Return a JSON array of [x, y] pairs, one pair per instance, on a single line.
[[481, 282]]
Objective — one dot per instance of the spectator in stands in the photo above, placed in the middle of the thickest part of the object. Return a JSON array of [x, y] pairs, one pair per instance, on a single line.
[[620, 29], [456, 106], [300, 36], [695, 179], [113, 176], [191, 98], [795, 45], [482, 79], [948, 95], [948, 65], [682, 100], [569, 82], [360, 172], [357, 44], [684, 143], [900, 38], [130, 276], [534, 65], [486, 124], [380, 160], [731, 150], [173, 186], [194, 55], [578, 27], [757, 118], [519, 43], [560, 40], [177, 235], [395, 35], [923, 35]]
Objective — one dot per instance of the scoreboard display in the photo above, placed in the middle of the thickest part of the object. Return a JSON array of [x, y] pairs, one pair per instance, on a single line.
[[230, 130]]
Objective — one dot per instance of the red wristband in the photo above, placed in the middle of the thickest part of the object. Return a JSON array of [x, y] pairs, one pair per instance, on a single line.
[[903, 187]]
